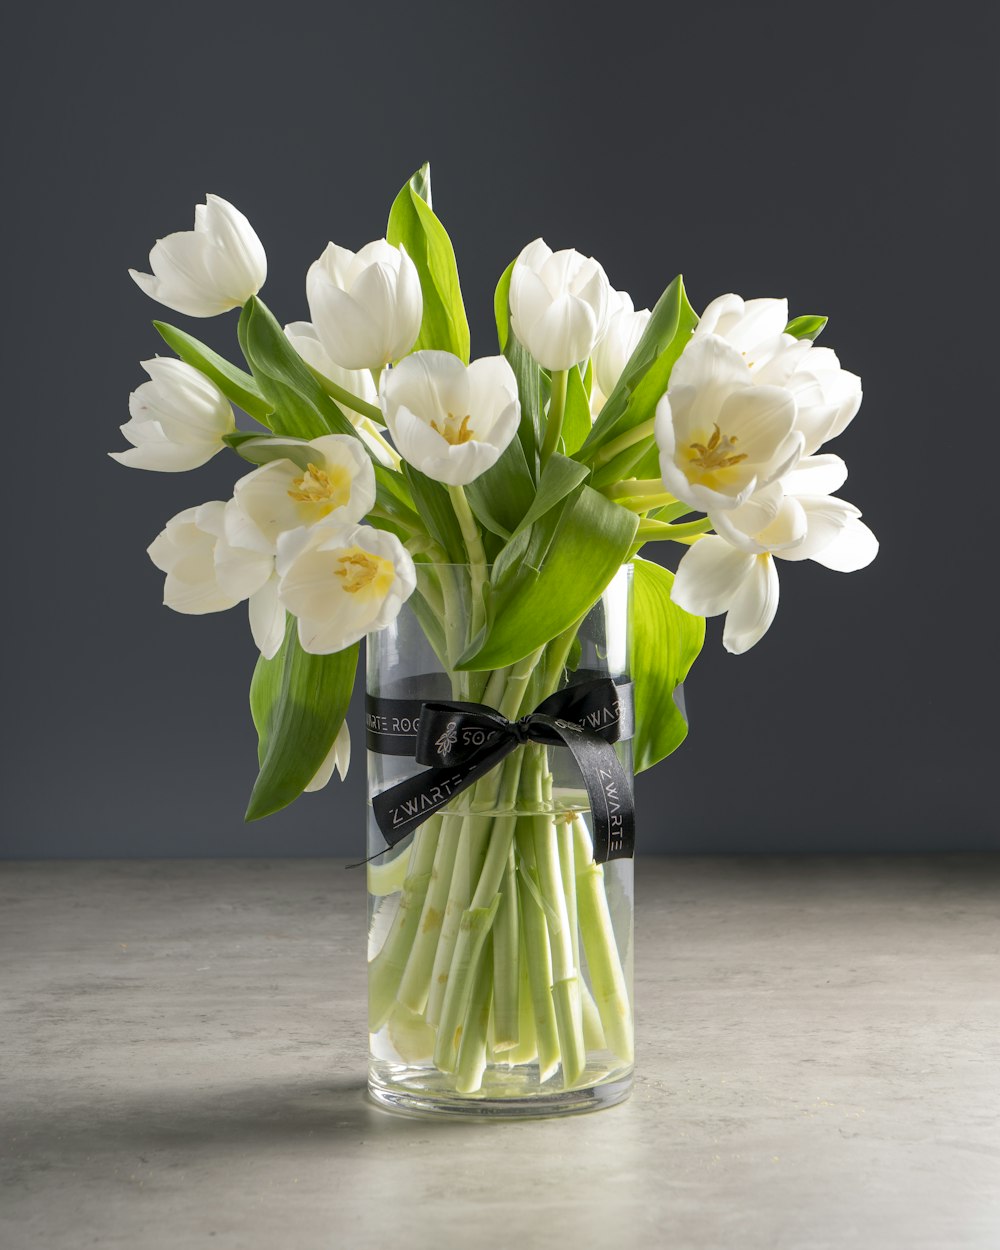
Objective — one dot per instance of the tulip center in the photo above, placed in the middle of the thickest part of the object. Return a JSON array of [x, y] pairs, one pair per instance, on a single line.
[[717, 453], [456, 430], [331, 488], [358, 570]]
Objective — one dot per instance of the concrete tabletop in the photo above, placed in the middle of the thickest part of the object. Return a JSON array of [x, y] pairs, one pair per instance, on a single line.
[[183, 1062]]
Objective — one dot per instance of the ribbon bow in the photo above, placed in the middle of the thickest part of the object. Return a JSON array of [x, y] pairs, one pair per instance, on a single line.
[[461, 742]]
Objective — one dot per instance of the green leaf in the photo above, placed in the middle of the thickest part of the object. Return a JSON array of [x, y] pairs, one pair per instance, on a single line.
[[301, 407], [645, 376], [808, 327], [413, 224], [502, 495], [263, 448], [298, 702], [237, 386], [501, 306], [565, 561], [558, 479], [433, 505], [665, 643], [576, 419]]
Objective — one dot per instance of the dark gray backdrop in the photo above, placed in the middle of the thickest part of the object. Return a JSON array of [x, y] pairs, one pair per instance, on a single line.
[[840, 157]]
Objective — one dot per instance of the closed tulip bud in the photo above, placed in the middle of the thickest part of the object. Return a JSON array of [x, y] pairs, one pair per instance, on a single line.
[[178, 419], [558, 304], [208, 270], [366, 306]]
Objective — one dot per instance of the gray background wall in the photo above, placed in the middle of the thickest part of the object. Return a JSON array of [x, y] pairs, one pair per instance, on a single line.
[[841, 157]]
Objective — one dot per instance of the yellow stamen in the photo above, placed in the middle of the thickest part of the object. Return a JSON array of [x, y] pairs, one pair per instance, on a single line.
[[358, 569], [716, 455], [455, 432], [322, 486]]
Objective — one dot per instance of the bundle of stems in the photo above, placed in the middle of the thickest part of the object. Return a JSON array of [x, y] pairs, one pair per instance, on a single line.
[[501, 914]]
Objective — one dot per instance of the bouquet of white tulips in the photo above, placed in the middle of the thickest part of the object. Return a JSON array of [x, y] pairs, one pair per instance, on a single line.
[[382, 456]]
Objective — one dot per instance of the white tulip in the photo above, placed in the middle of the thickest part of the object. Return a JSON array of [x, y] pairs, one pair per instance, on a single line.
[[303, 337], [208, 270], [720, 436], [624, 330], [734, 571], [342, 583], [558, 304], [338, 484], [450, 420], [827, 396], [177, 421], [338, 757], [207, 573], [367, 306]]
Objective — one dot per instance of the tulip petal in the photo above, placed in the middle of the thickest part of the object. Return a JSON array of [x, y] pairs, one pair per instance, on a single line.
[[816, 475], [267, 619], [709, 576], [854, 548], [753, 607]]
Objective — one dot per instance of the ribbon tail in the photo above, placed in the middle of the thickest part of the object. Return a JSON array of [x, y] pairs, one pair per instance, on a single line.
[[400, 809], [611, 804]]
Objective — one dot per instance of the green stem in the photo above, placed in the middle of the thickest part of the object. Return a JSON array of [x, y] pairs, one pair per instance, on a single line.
[[606, 974], [506, 963], [660, 531], [648, 502], [638, 434], [635, 488], [538, 957], [354, 402], [472, 1052], [477, 557], [557, 410]]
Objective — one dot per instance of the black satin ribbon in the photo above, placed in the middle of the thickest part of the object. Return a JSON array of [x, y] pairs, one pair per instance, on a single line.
[[461, 742]]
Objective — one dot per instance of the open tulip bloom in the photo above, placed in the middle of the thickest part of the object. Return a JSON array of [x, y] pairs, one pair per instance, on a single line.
[[377, 455]]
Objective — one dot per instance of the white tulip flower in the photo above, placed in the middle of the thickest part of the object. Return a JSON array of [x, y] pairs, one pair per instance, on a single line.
[[827, 396], [366, 307], [303, 337], [558, 304], [734, 572], [450, 420], [208, 270], [338, 757], [624, 330], [177, 421], [720, 436], [207, 573], [338, 484], [342, 583]]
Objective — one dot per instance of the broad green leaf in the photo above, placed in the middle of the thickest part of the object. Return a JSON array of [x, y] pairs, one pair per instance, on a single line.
[[298, 702], [570, 556], [808, 327], [237, 386], [433, 506], [558, 479], [502, 495], [576, 420], [665, 337], [413, 224], [301, 407], [501, 306], [649, 389], [393, 496], [263, 448], [665, 643]]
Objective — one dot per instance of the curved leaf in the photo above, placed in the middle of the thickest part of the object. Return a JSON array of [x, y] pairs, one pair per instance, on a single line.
[[298, 702], [413, 224], [665, 643], [562, 565], [806, 327]]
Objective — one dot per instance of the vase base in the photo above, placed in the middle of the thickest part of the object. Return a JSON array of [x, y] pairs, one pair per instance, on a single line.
[[422, 1097]]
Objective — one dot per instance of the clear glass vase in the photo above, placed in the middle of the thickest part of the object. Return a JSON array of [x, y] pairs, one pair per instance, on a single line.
[[500, 954]]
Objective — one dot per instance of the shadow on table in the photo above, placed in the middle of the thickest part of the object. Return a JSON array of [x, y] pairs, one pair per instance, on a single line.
[[251, 1116]]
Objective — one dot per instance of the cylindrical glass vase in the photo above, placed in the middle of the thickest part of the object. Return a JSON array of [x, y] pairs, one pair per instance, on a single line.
[[500, 954]]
